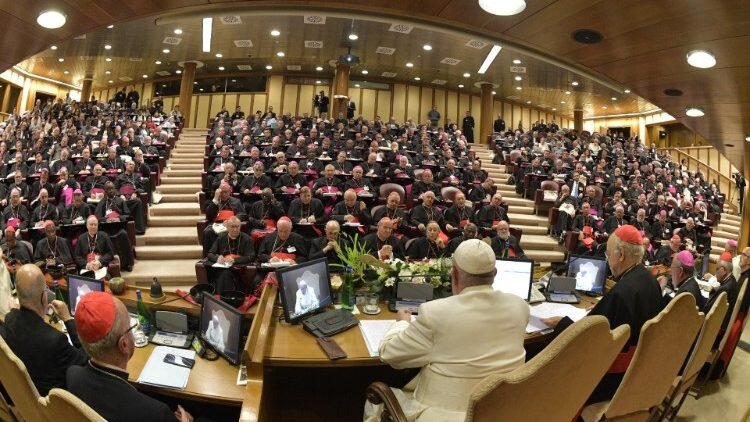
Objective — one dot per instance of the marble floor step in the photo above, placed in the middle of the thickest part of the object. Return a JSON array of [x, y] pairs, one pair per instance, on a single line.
[[170, 180], [166, 209], [173, 221], [179, 198], [187, 166], [528, 220], [172, 272], [186, 160], [182, 188], [729, 228], [731, 218], [530, 230], [171, 172], [181, 235], [720, 234], [164, 252], [517, 201], [520, 209], [545, 256], [541, 242], [183, 153]]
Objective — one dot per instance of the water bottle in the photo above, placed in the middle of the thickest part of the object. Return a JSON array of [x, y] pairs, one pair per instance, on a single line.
[[58, 292], [144, 316]]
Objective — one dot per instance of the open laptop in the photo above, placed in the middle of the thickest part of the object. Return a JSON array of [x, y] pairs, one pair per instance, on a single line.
[[515, 276], [409, 296], [562, 290]]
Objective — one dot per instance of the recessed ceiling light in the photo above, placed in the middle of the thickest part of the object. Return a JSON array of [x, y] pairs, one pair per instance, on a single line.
[[747, 138], [234, 80], [518, 88], [221, 67], [108, 59], [567, 92], [417, 78], [145, 76], [163, 85], [157, 62], [694, 112], [178, 31], [554, 109], [604, 107], [201, 89], [494, 93], [516, 61], [110, 26], [107, 47], [66, 72], [409, 64], [574, 83], [528, 102], [53, 47], [562, 102], [427, 47], [107, 72], [195, 82], [269, 67], [365, 72], [280, 54], [61, 60], [110, 81], [356, 85], [353, 37], [219, 55], [703, 59], [614, 98], [317, 82], [178, 71], [275, 32], [503, 8], [627, 91], [467, 74], [319, 68], [460, 85], [165, 51], [518, 78], [51, 19]]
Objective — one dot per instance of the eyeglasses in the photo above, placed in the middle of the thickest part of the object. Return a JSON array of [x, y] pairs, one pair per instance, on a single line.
[[129, 330]]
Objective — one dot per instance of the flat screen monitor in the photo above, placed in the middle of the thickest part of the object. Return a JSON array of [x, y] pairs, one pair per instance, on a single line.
[[221, 328], [305, 289], [590, 273], [78, 287], [514, 276]]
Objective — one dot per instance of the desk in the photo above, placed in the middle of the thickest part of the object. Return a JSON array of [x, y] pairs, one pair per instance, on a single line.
[[210, 381]]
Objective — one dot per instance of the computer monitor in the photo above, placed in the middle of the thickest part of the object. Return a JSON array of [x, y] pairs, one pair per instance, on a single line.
[[305, 289], [221, 327], [514, 276], [590, 273], [78, 287]]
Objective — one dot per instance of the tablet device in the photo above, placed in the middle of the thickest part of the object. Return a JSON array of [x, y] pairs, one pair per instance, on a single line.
[[78, 287]]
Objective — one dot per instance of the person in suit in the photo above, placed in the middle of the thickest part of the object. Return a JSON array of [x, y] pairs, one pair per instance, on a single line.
[[383, 244], [44, 350], [436, 340], [106, 333], [230, 248], [505, 245], [683, 279], [94, 248], [329, 245]]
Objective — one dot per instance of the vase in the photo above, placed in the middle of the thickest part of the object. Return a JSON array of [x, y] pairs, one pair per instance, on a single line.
[[347, 296]]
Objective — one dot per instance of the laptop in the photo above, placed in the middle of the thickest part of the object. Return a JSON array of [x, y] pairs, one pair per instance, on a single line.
[[409, 296], [562, 290], [515, 276]]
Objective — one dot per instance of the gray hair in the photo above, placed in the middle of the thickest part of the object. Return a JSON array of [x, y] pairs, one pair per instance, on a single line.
[[630, 250]]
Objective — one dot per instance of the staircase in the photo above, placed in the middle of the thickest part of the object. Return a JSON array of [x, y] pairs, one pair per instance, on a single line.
[[169, 248]]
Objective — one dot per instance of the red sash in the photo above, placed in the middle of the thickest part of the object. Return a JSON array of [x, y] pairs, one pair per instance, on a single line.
[[255, 189], [283, 255], [91, 256], [330, 189], [231, 255], [14, 222], [224, 215], [444, 237], [270, 223], [97, 191], [622, 361], [127, 190], [112, 215], [511, 253], [463, 223]]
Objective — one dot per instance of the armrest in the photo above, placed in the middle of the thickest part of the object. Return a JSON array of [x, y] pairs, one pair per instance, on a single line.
[[201, 226], [201, 273], [379, 393], [571, 240], [538, 197], [130, 229], [114, 267]]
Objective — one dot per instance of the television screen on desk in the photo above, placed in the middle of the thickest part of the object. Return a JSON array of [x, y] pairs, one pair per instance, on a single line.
[[514, 276], [78, 287], [305, 289], [221, 328], [590, 273]]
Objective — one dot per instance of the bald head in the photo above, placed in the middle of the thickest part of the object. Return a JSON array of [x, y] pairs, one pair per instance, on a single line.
[[30, 286]]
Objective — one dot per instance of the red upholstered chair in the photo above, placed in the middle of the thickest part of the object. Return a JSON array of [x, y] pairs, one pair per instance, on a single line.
[[516, 232], [672, 203], [510, 160], [247, 273], [387, 188], [449, 194], [553, 213], [539, 203]]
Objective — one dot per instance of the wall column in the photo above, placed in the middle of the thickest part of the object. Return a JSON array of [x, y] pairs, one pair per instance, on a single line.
[[488, 110], [86, 89], [186, 91], [578, 120], [340, 97], [745, 212]]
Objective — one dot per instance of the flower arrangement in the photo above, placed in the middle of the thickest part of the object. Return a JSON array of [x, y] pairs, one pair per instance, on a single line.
[[435, 271]]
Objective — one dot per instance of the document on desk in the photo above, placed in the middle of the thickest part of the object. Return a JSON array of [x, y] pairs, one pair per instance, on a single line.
[[161, 374], [373, 331], [549, 309]]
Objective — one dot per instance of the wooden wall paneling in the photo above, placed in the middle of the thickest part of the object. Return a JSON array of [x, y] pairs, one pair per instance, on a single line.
[[508, 115], [260, 102], [412, 105], [217, 102], [463, 105], [516, 117], [275, 86], [440, 100], [527, 118], [497, 109], [289, 103], [147, 93], [356, 95], [383, 106], [306, 95], [200, 110], [426, 102], [476, 112], [246, 102], [168, 104], [399, 102], [452, 108], [367, 103]]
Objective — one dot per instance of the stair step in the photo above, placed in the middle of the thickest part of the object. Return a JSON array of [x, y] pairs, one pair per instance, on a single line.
[[731, 218], [517, 201], [149, 253], [179, 173], [187, 166], [545, 256], [169, 272], [184, 152], [179, 160], [172, 198], [528, 219], [181, 235], [167, 209], [530, 230], [170, 180], [729, 228], [173, 221], [520, 209], [541, 242], [184, 188], [724, 235]]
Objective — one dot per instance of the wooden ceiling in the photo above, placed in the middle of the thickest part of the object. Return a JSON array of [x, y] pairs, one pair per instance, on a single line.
[[644, 47]]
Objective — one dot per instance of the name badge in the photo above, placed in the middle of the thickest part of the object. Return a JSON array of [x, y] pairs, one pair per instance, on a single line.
[[296, 185], [291, 249], [366, 188]]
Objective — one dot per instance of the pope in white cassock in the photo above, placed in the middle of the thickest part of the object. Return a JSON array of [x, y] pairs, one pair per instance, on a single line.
[[305, 296], [215, 334]]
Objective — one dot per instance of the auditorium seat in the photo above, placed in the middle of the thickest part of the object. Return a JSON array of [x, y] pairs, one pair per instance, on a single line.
[[540, 205], [60, 405], [19, 386]]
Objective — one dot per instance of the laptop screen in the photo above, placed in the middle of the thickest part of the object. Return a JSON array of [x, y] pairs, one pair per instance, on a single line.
[[590, 273], [514, 276]]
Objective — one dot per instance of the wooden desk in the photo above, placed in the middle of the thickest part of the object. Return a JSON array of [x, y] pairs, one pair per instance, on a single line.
[[172, 302], [210, 381]]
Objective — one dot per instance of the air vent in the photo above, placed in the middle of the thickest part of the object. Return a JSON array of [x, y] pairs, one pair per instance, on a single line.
[[163, 73], [244, 67], [125, 78], [231, 20], [451, 61], [313, 44], [587, 36], [243, 43], [385, 50], [476, 44], [80, 37], [672, 92], [401, 28], [135, 59], [293, 67], [388, 74], [172, 40], [314, 19], [439, 81]]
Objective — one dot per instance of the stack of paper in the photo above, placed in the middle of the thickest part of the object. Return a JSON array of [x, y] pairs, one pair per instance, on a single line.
[[548, 310], [373, 332], [161, 374]]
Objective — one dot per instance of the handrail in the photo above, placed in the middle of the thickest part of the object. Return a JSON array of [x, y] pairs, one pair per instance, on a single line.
[[709, 171]]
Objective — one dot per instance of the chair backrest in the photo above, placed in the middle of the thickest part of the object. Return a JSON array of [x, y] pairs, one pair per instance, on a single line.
[[387, 188], [554, 384], [550, 185], [29, 248], [733, 317], [514, 154], [662, 347], [706, 339], [516, 232], [61, 405], [449, 193], [598, 192], [19, 386]]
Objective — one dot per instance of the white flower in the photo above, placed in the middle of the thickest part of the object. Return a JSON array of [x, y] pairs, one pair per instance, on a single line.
[[390, 282]]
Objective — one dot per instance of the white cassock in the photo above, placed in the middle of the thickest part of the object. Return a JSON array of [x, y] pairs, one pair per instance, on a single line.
[[457, 341], [215, 335], [305, 301]]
